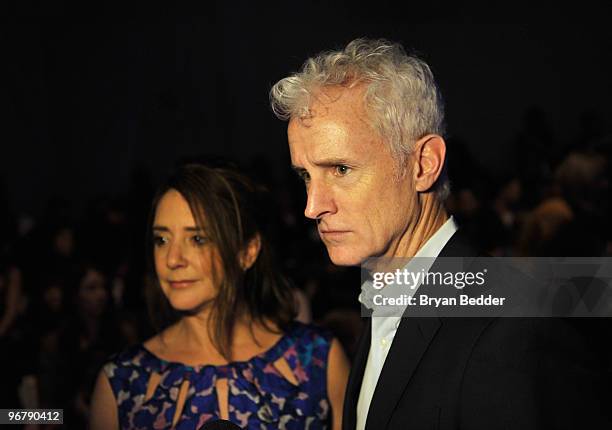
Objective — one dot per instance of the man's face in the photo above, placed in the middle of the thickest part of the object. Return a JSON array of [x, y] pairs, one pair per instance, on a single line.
[[362, 203]]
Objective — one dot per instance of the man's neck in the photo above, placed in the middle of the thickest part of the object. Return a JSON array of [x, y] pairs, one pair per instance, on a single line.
[[431, 216]]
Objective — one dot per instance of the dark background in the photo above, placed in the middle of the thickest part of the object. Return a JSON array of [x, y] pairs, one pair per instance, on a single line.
[[94, 94]]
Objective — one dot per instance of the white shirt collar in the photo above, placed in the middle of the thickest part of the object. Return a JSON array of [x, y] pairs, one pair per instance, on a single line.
[[438, 240]]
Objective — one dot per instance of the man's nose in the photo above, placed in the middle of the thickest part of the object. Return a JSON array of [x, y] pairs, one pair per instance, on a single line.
[[320, 201], [176, 256]]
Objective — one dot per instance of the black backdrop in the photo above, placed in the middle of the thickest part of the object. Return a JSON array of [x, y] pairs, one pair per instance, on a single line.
[[94, 92]]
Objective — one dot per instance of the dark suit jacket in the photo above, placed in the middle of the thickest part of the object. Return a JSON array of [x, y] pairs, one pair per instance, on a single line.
[[487, 373]]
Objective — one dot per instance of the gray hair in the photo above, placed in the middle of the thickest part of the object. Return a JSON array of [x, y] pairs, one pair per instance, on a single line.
[[402, 98]]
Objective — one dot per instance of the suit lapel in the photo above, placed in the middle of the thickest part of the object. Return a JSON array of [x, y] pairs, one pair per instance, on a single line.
[[410, 343], [349, 413]]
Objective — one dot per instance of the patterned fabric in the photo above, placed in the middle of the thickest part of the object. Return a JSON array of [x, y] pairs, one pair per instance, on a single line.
[[259, 396]]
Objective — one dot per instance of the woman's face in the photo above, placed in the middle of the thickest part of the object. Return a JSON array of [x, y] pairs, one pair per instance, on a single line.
[[53, 298], [187, 263], [93, 295]]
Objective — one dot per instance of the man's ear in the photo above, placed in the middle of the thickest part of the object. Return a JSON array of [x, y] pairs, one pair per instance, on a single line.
[[429, 155], [249, 255]]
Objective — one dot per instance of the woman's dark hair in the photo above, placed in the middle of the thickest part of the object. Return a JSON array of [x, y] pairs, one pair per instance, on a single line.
[[232, 211]]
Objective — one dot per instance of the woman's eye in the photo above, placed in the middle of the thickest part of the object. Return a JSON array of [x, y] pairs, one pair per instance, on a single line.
[[200, 240], [159, 240], [342, 170]]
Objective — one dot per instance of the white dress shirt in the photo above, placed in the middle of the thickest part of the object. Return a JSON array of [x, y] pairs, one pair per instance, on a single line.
[[384, 328]]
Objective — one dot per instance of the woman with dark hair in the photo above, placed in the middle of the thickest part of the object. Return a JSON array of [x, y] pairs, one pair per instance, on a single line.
[[229, 348]]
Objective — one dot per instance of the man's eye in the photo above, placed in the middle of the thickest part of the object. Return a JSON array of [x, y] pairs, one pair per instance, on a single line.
[[159, 240], [305, 176], [342, 170], [200, 240]]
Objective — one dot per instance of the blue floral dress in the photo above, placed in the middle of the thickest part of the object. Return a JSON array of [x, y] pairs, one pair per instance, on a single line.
[[259, 396]]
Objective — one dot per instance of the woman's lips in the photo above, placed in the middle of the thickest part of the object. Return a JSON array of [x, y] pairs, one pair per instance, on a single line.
[[181, 284]]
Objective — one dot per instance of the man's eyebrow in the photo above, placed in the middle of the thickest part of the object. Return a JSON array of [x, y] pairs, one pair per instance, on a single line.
[[331, 162], [325, 162]]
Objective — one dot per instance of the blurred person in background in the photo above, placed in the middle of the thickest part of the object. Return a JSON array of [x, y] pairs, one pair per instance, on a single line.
[[71, 356], [10, 342], [573, 220]]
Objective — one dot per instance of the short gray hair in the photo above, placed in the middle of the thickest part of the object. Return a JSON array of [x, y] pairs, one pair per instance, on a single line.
[[401, 96]]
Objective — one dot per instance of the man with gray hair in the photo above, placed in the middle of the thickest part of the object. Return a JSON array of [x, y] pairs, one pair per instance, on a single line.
[[366, 134]]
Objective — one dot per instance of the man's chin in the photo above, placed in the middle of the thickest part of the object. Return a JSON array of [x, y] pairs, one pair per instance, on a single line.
[[342, 257]]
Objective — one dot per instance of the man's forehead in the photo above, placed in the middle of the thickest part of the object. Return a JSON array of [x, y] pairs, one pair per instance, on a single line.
[[337, 126], [325, 128], [320, 143]]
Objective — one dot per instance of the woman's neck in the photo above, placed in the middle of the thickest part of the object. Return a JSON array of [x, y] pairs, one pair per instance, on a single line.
[[191, 339]]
